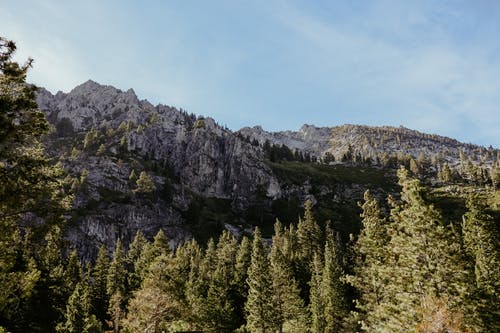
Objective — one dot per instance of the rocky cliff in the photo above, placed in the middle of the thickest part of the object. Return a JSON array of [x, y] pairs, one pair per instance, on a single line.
[[103, 136], [135, 166]]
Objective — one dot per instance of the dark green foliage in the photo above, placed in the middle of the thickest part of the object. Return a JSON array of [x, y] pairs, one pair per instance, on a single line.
[[430, 265], [78, 317], [260, 308], [370, 255], [98, 286], [219, 307], [412, 273], [29, 183], [135, 251], [290, 313], [316, 300], [243, 260], [309, 244], [481, 242], [116, 286]]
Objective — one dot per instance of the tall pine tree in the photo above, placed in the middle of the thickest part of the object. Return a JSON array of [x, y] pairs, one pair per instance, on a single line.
[[260, 308]]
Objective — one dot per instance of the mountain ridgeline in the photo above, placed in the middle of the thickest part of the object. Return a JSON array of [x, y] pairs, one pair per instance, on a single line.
[[135, 166], [119, 215]]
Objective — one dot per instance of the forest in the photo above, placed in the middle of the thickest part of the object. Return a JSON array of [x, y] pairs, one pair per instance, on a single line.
[[410, 269]]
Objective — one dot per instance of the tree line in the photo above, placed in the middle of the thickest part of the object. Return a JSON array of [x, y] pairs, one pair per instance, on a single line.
[[409, 269]]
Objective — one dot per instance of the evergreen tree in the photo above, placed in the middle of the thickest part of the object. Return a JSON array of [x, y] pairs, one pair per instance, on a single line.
[[309, 243], [116, 279], [101, 150], [423, 262], [333, 290], [445, 174], [289, 307], [260, 308], [184, 254], [134, 253], [145, 183], [309, 234], [243, 260], [98, 288], [29, 182], [220, 314], [481, 243], [52, 290], [116, 286], [149, 252], [133, 176], [200, 277], [78, 317], [316, 301], [158, 303], [73, 273], [370, 259]]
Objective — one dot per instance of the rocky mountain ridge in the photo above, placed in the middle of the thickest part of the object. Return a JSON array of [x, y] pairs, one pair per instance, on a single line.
[[203, 177], [104, 135], [371, 141]]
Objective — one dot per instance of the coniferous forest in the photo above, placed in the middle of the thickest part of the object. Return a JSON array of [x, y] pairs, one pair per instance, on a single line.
[[411, 268]]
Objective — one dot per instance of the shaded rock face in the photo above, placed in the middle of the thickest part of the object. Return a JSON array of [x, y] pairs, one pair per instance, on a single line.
[[102, 134]]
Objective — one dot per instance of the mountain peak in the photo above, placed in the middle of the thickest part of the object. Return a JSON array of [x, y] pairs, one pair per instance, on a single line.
[[89, 84]]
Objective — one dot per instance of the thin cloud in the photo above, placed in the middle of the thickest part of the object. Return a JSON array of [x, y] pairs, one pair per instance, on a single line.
[[434, 87]]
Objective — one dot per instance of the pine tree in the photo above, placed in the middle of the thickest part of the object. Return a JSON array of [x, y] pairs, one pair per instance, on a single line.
[[481, 243], [133, 176], [101, 150], [29, 182], [51, 292], [243, 260], [316, 301], [333, 290], [98, 288], [370, 259], [309, 243], [289, 307], [159, 246], [116, 279], [200, 276], [134, 253], [145, 183], [159, 300], [423, 262], [185, 254], [259, 307], [309, 234], [116, 286], [445, 174], [219, 308], [78, 317], [73, 271], [196, 288]]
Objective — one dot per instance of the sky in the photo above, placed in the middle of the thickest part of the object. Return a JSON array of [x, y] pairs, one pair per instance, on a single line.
[[432, 66]]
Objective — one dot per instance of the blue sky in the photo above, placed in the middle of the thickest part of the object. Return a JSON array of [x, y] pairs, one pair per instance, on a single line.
[[433, 66]]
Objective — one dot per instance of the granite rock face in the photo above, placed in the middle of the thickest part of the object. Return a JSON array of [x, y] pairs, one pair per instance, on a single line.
[[102, 133], [107, 139]]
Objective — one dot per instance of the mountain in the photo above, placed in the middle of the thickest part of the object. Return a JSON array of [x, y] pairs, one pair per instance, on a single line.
[[203, 177], [370, 142]]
